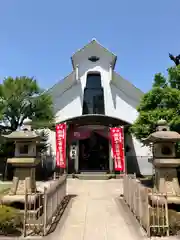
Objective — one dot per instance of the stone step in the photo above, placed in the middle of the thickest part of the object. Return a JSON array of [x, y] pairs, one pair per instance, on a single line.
[[94, 172], [94, 176]]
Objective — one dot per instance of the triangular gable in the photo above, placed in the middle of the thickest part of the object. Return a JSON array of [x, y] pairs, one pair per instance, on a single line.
[[95, 47]]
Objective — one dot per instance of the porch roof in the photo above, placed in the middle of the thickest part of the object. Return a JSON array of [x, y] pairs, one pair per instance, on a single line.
[[96, 119]]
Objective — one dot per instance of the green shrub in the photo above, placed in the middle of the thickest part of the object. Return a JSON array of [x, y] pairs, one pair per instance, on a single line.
[[174, 222], [10, 221]]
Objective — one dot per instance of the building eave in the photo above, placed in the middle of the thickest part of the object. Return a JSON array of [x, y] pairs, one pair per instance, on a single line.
[[62, 84], [96, 119]]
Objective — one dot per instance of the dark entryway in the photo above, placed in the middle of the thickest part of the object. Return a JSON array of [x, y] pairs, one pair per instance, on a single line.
[[94, 153]]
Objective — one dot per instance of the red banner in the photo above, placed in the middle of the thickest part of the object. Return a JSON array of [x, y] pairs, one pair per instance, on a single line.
[[117, 142], [61, 145]]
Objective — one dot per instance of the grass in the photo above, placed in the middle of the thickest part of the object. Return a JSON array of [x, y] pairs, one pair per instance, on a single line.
[[4, 188]]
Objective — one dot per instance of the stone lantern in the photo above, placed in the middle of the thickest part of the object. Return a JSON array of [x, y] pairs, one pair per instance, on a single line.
[[165, 162], [24, 163]]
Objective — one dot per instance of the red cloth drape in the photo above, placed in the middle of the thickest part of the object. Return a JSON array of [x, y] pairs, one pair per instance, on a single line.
[[85, 133], [103, 133], [79, 134]]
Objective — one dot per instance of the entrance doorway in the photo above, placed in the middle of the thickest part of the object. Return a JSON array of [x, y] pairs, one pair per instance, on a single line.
[[94, 153]]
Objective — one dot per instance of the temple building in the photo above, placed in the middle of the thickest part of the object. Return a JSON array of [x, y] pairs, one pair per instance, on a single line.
[[90, 100]]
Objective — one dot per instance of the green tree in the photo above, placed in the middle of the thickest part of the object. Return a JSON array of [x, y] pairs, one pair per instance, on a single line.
[[162, 101], [21, 97]]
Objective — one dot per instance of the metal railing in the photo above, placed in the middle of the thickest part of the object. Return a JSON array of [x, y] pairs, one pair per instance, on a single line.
[[33, 212], [41, 208], [53, 198], [149, 208]]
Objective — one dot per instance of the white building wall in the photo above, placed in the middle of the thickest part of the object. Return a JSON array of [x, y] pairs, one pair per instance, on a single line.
[[52, 145], [70, 103], [117, 107]]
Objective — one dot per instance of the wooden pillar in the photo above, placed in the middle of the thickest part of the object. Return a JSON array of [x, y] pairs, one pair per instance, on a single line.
[[111, 164], [76, 160]]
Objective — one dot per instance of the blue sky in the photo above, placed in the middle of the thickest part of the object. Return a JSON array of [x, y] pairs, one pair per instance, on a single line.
[[38, 37]]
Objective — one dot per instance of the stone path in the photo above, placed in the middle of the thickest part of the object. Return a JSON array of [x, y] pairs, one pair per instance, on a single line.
[[94, 213]]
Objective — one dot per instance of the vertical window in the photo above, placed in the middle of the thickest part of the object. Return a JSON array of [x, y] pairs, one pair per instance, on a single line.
[[93, 102]]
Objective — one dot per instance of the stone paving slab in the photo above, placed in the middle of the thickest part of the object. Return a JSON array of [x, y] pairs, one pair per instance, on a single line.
[[94, 213], [97, 212]]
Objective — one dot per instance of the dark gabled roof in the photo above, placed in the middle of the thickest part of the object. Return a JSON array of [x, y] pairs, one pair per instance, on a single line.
[[63, 85], [132, 93]]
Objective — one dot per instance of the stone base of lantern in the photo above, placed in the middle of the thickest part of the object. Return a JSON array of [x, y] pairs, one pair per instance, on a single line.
[[23, 182], [161, 199], [166, 183], [33, 203], [16, 199]]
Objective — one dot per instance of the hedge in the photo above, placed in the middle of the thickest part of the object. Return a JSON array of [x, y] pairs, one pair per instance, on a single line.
[[10, 220]]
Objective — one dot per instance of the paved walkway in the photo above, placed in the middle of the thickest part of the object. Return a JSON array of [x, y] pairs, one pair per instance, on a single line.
[[94, 212]]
